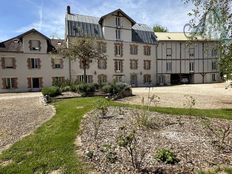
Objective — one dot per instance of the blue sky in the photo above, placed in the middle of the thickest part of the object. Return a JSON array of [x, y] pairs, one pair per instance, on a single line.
[[47, 16]]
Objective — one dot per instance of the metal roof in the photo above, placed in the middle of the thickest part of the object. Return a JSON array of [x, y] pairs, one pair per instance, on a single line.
[[88, 26]]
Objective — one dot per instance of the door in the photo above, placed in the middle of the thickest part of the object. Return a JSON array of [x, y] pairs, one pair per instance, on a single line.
[[35, 83], [134, 79]]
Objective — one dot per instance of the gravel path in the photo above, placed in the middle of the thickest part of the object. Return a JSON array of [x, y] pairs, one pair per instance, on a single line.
[[20, 114], [207, 95]]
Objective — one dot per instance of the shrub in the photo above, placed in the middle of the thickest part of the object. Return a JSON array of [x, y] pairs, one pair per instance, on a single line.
[[117, 89], [107, 88], [166, 156], [66, 89], [51, 91], [85, 89]]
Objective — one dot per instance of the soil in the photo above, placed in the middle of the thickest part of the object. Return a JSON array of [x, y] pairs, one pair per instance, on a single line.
[[191, 139]]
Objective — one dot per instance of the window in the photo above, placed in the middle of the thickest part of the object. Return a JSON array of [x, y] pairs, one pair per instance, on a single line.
[[133, 79], [118, 50], [102, 64], [191, 66], [82, 62], [117, 21], [34, 45], [118, 34], [57, 80], [8, 63], [80, 78], [191, 52], [169, 66], [133, 64], [169, 52], [147, 64], [9, 83], [118, 66], [147, 79], [102, 47], [118, 79], [57, 63], [213, 77], [214, 52], [133, 49], [102, 78], [161, 79], [33, 63], [147, 50], [214, 65]]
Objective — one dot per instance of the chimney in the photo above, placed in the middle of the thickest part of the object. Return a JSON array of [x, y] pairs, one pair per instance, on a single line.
[[68, 10]]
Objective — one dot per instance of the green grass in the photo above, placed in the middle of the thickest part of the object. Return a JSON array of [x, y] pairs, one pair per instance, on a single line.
[[51, 146]]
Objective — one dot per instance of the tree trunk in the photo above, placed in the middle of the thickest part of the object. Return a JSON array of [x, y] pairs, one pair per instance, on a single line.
[[85, 67]]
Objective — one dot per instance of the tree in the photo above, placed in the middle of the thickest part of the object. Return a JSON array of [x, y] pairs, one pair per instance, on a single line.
[[159, 28], [83, 49], [212, 19]]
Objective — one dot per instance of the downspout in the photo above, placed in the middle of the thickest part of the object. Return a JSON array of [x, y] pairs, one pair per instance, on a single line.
[[203, 63], [180, 60]]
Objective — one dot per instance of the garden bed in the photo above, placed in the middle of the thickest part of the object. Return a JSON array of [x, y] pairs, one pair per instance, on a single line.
[[196, 142]]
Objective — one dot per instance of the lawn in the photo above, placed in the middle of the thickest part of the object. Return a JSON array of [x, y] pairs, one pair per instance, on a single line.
[[51, 146]]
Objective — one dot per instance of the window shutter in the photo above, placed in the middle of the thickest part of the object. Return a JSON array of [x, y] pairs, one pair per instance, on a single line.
[[4, 83], [39, 45], [121, 50], [30, 44], [61, 63], [14, 63], [39, 63], [15, 83], [29, 63], [40, 82], [3, 62], [53, 63], [29, 82], [122, 66], [115, 49]]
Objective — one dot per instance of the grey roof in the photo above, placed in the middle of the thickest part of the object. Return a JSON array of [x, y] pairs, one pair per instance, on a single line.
[[89, 26], [15, 44], [117, 11]]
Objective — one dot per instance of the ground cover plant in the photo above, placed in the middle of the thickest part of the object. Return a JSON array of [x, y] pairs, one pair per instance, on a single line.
[[51, 147]]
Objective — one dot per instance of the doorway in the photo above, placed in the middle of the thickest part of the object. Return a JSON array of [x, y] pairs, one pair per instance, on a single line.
[[35, 83]]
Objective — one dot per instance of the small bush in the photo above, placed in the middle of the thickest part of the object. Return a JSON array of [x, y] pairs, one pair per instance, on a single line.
[[117, 89], [107, 88], [51, 91], [166, 156], [66, 89], [86, 89]]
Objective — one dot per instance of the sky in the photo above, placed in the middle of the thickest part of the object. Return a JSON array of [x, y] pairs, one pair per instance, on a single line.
[[48, 16]]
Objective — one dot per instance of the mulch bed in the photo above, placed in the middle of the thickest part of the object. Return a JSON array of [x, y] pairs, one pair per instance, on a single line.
[[190, 138]]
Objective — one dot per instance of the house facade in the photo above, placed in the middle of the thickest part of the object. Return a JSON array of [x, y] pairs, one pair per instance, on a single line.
[[135, 55], [26, 65]]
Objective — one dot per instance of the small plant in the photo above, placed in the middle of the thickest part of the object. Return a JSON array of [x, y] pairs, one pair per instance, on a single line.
[[90, 154], [103, 107], [128, 141], [85, 89], [51, 91], [155, 99], [190, 101], [111, 155], [96, 125], [166, 156]]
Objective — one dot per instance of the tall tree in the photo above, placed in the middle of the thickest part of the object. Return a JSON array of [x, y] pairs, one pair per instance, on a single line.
[[212, 19], [83, 49], [159, 28]]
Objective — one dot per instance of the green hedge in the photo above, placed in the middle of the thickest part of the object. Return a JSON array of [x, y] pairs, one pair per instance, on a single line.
[[51, 91]]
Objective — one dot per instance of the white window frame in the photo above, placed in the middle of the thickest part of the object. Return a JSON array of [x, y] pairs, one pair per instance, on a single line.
[[168, 66], [118, 50], [118, 66], [147, 50], [191, 66], [117, 21], [133, 49], [9, 83], [134, 64]]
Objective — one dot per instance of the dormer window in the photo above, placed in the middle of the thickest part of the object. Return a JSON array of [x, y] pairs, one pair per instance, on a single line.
[[34, 45], [117, 22]]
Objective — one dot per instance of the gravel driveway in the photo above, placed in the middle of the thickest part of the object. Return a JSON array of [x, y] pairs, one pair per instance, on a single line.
[[206, 95], [20, 114]]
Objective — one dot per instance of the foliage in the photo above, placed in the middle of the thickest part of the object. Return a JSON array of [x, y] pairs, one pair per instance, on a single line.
[[127, 140], [166, 156], [212, 19], [51, 91], [109, 150], [85, 89], [83, 49], [190, 102], [96, 125], [90, 154], [159, 28]]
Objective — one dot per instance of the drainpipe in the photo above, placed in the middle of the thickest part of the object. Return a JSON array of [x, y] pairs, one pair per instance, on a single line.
[[180, 59], [203, 63]]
